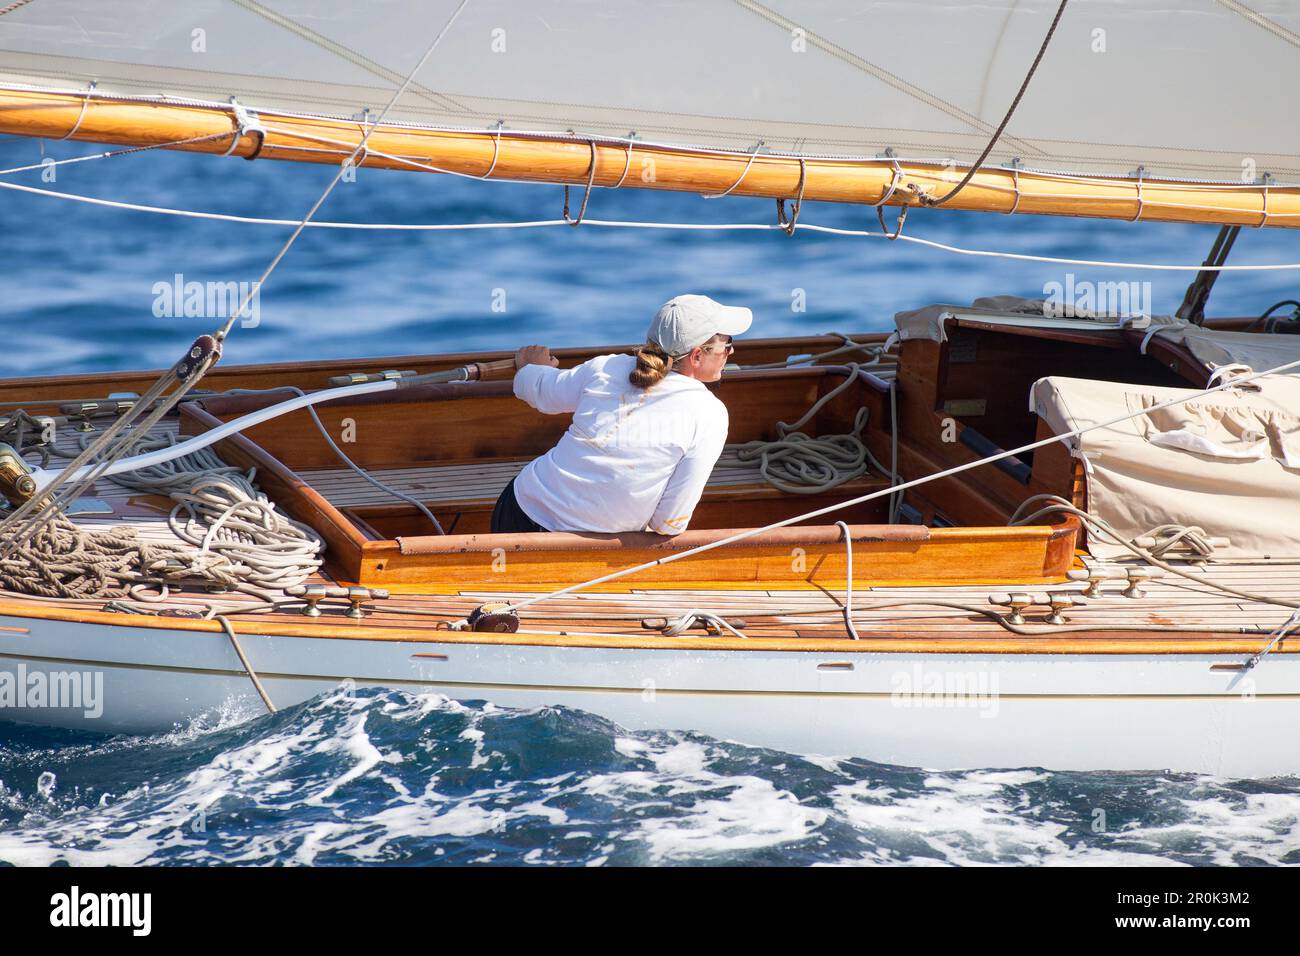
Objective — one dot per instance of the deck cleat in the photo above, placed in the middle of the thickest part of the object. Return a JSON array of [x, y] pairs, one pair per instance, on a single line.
[[1059, 603], [1015, 604], [1135, 578], [1096, 577], [312, 594], [356, 597]]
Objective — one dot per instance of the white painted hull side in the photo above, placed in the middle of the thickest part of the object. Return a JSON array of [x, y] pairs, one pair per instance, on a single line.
[[941, 711]]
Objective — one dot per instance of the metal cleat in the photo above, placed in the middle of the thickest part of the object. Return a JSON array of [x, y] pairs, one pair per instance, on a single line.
[[1015, 603], [1135, 578], [1096, 577], [312, 594], [1059, 603], [357, 596]]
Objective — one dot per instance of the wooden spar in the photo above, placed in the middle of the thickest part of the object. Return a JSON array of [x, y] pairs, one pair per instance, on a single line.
[[564, 160]]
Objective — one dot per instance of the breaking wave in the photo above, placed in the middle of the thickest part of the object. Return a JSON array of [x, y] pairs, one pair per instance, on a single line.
[[387, 777]]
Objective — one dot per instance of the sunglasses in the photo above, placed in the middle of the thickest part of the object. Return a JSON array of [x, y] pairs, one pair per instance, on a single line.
[[726, 349]]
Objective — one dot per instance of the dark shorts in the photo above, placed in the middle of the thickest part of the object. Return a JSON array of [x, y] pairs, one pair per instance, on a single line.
[[508, 517]]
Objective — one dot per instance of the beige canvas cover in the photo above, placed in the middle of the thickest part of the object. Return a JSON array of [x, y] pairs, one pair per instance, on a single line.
[[1216, 349], [930, 321], [1228, 462]]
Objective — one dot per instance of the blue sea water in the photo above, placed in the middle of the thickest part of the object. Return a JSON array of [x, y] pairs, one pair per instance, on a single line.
[[387, 777]]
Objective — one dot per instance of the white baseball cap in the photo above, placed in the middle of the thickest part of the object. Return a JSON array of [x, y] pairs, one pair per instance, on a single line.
[[685, 321]]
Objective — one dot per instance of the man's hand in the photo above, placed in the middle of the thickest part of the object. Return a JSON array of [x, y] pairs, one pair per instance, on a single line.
[[535, 355]]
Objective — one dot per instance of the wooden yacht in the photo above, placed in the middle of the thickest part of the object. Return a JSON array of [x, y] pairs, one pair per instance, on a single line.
[[1076, 544]]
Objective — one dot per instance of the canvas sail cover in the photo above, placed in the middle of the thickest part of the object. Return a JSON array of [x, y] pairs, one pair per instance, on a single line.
[[1217, 349], [1228, 462], [1201, 90]]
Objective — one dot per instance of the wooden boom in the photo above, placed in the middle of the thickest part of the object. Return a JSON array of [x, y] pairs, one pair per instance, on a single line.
[[568, 161]]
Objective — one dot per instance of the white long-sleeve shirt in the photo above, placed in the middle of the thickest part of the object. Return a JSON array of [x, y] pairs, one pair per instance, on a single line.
[[633, 460]]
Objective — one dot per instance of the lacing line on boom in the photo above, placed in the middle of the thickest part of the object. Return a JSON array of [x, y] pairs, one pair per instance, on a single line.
[[586, 196]]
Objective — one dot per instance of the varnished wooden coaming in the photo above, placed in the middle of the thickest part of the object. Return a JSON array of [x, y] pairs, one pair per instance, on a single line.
[[45, 391], [483, 421]]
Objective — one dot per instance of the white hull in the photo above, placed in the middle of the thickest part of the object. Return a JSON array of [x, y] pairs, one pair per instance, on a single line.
[[1066, 712]]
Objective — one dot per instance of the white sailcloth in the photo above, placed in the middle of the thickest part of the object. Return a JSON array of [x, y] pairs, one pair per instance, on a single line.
[[1201, 90]]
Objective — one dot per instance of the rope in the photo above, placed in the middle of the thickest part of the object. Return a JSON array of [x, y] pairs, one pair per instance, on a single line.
[[34, 514], [1170, 536], [622, 224], [16, 432], [64, 561], [311, 409], [248, 668], [229, 524], [788, 226], [586, 196], [800, 464], [743, 173], [81, 115], [684, 623], [120, 152], [1096, 525], [627, 160], [877, 352], [848, 580], [1006, 119], [496, 151]]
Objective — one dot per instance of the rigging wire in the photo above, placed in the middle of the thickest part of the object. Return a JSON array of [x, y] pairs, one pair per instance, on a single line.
[[625, 224], [997, 134]]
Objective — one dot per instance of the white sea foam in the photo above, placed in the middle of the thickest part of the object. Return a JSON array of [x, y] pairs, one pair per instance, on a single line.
[[666, 798]]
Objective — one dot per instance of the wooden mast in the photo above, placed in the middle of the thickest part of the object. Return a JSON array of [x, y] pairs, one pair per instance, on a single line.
[[555, 160]]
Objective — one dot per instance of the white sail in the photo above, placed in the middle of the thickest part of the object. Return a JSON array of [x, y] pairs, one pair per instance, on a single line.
[[1202, 90]]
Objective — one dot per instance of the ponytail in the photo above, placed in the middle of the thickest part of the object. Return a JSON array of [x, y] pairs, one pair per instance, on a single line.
[[652, 365]]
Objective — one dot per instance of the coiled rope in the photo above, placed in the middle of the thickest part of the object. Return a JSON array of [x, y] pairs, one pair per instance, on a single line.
[[231, 538], [801, 464], [229, 523]]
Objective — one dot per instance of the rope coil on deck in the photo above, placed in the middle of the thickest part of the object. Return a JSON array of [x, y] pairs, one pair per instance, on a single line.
[[801, 464]]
